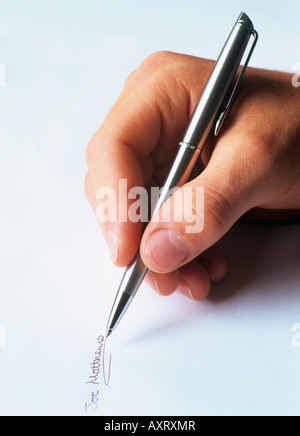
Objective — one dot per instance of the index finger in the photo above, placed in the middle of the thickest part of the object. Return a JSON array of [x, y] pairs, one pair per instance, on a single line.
[[136, 141]]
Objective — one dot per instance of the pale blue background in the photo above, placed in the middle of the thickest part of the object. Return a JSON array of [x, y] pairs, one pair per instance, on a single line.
[[66, 63]]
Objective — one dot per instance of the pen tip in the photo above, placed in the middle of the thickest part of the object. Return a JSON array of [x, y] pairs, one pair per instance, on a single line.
[[108, 332]]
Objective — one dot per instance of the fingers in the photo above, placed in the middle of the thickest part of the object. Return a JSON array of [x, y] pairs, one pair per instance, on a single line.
[[115, 168], [214, 263], [227, 189], [123, 238], [131, 149], [192, 280], [163, 284], [248, 166]]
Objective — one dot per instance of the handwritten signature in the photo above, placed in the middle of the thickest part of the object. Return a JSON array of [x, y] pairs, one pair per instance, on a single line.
[[98, 368]]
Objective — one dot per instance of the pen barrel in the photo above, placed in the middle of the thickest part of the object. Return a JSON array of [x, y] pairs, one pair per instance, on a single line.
[[190, 148], [218, 85], [179, 173]]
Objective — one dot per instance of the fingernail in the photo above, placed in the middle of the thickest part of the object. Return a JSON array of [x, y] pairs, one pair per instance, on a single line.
[[113, 245], [153, 282], [165, 250], [185, 289]]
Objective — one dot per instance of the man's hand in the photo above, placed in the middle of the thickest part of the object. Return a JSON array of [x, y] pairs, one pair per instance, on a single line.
[[255, 162]]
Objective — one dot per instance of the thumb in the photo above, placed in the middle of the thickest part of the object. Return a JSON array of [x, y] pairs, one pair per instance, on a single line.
[[200, 212]]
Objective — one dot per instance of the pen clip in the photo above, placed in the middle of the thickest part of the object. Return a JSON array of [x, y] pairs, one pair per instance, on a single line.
[[222, 115]]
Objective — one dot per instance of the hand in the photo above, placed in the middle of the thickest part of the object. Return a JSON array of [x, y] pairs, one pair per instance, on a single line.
[[254, 163]]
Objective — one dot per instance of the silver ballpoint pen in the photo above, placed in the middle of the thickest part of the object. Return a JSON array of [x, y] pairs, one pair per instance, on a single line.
[[208, 115]]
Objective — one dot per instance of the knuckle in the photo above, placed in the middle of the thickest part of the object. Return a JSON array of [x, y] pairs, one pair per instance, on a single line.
[[157, 59], [218, 208], [131, 77]]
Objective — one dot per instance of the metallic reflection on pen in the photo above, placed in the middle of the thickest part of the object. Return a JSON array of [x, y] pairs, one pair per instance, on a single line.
[[209, 115]]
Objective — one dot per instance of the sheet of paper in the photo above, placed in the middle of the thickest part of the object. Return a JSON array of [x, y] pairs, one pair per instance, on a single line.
[[234, 353]]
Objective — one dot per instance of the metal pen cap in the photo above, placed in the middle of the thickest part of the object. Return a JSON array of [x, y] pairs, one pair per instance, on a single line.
[[222, 77]]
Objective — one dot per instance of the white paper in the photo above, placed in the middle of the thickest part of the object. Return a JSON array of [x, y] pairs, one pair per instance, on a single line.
[[236, 353], [231, 354]]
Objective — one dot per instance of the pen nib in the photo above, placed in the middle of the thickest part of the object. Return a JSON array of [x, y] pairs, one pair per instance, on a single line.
[[108, 332]]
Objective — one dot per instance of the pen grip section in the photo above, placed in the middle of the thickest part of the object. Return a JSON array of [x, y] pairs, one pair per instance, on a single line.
[[179, 173]]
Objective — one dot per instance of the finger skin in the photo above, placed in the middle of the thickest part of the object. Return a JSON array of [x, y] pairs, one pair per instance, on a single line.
[[253, 164], [193, 280], [133, 144], [250, 167]]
